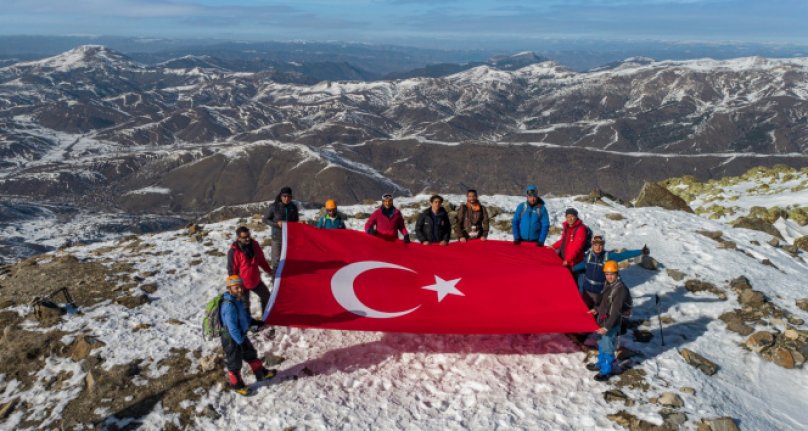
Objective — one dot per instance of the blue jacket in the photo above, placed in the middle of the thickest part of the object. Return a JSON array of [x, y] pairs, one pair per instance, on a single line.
[[327, 222], [531, 223], [593, 279], [235, 317]]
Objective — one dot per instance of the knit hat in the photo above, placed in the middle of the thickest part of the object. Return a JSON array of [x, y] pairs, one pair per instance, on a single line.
[[532, 190], [234, 280], [572, 211], [286, 191]]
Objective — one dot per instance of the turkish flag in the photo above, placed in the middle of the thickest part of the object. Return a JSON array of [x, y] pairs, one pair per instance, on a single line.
[[346, 279]]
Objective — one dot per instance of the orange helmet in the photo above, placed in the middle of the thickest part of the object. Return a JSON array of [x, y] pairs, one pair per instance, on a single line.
[[330, 204], [233, 280], [610, 267]]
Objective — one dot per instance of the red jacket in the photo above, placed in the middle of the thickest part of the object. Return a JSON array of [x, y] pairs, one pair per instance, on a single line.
[[238, 263], [574, 237], [386, 227]]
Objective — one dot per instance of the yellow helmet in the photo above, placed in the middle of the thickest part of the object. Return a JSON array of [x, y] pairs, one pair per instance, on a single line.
[[233, 280], [330, 204], [610, 267]]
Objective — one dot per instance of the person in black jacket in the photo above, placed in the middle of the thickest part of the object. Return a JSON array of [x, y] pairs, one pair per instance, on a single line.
[[614, 302], [282, 210], [433, 225]]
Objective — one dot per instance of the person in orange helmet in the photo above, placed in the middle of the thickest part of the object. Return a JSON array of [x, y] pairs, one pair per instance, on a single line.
[[332, 219], [615, 304]]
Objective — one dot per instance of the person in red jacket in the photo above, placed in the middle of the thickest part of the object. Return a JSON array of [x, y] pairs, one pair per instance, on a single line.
[[386, 222], [571, 245], [244, 259]]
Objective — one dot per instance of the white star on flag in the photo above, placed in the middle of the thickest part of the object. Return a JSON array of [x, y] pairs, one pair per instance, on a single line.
[[444, 287]]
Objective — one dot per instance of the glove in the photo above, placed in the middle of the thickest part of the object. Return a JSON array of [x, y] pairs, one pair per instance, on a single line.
[[406, 239], [517, 241]]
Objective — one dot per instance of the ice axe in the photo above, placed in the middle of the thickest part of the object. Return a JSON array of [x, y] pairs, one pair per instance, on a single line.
[[659, 319]]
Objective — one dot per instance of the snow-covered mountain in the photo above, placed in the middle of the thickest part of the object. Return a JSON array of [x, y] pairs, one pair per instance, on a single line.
[[91, 122], [135, 357]]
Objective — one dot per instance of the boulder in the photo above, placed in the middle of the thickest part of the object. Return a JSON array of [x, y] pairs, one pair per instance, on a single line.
[[649, 263], [802, 304], [6, 409], [655, 195], [751, 298], [616, 395], [697, 286], [760, 341], [83, 345], [688, 390], [718, 424], [735, 323], [149, 288], [670, 399], [758, 225], [728, 245], [615, 216], [715, 235], [802, 243], [672, 419], [783, 357], [700, 362], [740, 283], [132, 301]]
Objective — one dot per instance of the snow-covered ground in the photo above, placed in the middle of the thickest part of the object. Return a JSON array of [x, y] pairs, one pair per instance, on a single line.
[[357, 380]]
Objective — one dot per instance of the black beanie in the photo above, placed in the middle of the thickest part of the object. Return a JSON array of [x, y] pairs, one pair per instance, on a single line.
[[572, 211], [286, 190]]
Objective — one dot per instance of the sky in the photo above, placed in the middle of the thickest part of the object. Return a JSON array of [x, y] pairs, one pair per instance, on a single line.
[[420, 22]]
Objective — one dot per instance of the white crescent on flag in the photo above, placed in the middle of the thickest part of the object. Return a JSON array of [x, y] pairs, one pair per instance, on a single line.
[[342, 287]]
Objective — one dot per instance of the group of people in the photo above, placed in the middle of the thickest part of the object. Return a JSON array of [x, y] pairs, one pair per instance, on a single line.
[[582, 252]]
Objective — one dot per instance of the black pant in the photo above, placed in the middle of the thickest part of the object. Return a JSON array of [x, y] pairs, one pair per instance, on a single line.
[[263, 293], [235, 354]]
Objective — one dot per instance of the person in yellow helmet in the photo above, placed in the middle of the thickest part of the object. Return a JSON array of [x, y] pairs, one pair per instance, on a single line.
[[331, 219], [614, 303]]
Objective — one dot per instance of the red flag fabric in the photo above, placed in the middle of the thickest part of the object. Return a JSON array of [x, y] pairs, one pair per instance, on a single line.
[[346, 279]]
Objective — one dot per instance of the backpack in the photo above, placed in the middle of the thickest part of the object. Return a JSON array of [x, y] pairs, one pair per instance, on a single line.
[[212, 326], [625, 312], [588, 240]]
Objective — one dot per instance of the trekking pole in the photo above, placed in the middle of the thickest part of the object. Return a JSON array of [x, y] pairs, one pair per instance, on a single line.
[[659, 319]]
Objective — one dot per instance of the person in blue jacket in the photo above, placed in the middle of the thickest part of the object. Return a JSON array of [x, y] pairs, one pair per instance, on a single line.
[[591, 282], [332, 219], [530, 220], [237, 347]]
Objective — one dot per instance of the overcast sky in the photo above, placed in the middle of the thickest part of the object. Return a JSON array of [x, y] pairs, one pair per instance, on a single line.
[[447, 22]]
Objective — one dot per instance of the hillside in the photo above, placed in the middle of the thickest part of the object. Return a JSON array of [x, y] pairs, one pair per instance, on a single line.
[[135, 358]]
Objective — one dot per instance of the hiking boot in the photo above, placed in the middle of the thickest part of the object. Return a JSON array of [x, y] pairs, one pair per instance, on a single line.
[[265, 374], [245, 391], [593, 366], [602, 377]]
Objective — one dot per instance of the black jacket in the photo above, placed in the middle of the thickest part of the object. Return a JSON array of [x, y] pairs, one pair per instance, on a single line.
[[427, 230], [280, 212], [610, 309]]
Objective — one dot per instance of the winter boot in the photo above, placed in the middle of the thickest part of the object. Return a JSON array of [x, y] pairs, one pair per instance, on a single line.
[[261, 372], [237, 384], [605, 361]]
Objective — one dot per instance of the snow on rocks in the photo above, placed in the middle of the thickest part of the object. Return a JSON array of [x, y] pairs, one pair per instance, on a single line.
[[358, 380]]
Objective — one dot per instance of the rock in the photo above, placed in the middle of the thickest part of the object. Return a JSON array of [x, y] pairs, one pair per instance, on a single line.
[[149, 288], [83, 345], [670, 399], [696, 286], [649, 263], [768, 262], [615, 216], [272, 360], [655, 195], [194, 228], [729, 245], [7, 303], [751, 298], [672, 419], [735, 323], [794, 320], [675, 274], [633, 378], [132, 301], [774, 242], [714, 235], [700, 362], [783, 358], [719, 424], [758, 225], [631, 422], [141, 327], [211, 412], [6, 409], [802, 243], [739, 284], [616, 395], [175, 322], [802, 304], [215, 253], [760, 341], [688, 390]]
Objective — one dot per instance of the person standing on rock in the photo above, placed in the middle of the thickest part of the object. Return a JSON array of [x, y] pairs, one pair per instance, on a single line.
[[433, 225], [283, 210], [614, 303], [571, 246], [246, 259], [593, 279], [472, 219], [332, 219], [386, 222], [530, 220], [237, 347]]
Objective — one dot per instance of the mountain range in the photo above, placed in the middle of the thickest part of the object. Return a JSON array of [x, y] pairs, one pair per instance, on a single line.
[[189, 134]]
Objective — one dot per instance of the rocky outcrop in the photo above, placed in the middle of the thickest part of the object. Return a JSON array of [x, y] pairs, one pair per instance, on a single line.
[[757, 224], [654, 195]]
